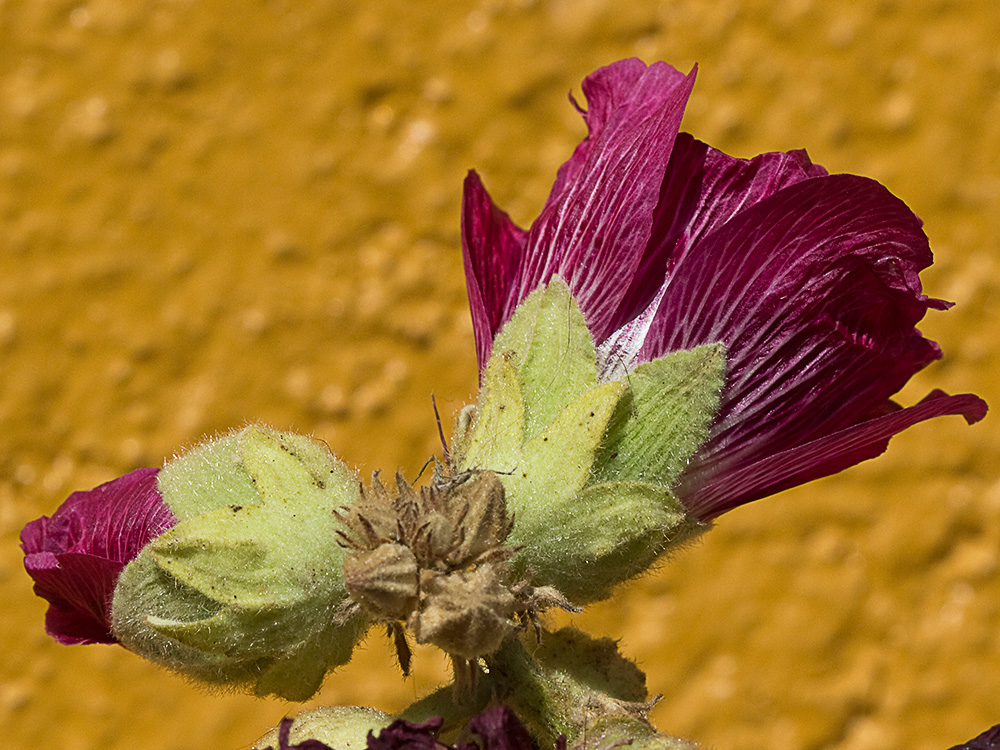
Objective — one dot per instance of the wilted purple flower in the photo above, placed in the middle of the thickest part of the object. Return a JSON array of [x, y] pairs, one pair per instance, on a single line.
[[405, 735], [497, 728], [809, 279], [76, 556]]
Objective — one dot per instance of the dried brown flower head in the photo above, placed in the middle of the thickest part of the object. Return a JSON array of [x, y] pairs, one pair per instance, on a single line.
[[433, 560]]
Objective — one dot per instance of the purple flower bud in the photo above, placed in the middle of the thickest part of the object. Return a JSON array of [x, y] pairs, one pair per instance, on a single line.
[[76, 556]]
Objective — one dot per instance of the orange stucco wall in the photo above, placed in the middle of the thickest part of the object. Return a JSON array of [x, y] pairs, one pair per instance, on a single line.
[[213, 213]]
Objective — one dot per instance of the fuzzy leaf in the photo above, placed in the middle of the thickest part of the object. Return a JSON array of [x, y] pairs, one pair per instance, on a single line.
[[516, 335], [556, 462], [601, 537], [498, 431], [549, 346], [673, 402], [560, 362], [218, 474], [241, 589]]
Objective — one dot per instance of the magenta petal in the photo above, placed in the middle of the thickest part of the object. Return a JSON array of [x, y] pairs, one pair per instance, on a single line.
[[703, 189], [810, 280], [500, 729], [815, 292], [492, 246], [599, 215], [405, 735], [77, 587], [75, 556], [710, 495]]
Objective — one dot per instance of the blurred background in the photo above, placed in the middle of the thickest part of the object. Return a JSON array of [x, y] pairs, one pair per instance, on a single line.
[[215, 213]]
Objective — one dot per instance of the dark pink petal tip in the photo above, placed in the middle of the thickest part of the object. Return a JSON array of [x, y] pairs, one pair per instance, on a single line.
[[709, 497], [76, 556]]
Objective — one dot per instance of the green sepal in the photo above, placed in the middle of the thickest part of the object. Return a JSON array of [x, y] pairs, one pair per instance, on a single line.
[[497, 433], [217, 474], [298, 674], [226, 633], [144, 591], [555, 464], [335, 726], [285, 654], [514, 339], [255, 557], [671, 405], [543, 359], [601, 537], [587, 468], [552, 350], [273, 552]]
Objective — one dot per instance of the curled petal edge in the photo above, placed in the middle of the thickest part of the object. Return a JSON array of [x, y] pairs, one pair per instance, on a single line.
[[821, 457]]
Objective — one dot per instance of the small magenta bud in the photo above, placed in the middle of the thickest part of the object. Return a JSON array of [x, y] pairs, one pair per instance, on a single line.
[[242, 589]]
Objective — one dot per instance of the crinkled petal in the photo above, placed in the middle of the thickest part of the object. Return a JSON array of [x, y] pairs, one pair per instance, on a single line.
[[75, 556], [78, 588], [500, 729], [493, 248], [599, 215], [702, 190], [708, 497], [114, 520], [815, 292], [404, 735]]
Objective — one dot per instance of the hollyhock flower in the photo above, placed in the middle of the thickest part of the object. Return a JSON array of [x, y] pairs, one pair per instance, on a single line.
[[76, 556], [222, 565], [809, 281]]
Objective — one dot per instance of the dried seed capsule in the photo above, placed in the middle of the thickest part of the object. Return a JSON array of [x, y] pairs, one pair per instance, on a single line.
[[383, 580], [466, 613], [479, 501]]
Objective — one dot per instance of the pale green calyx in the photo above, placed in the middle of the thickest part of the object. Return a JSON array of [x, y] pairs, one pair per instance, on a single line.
[[588, 467], [243, 589], [334, 726]]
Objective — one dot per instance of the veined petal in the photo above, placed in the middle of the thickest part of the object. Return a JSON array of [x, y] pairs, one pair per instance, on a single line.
[[815, 292], [702, 190], [809, 280], [711, 494], [492, 247], [599, 215], [78, 588], [76, 556]]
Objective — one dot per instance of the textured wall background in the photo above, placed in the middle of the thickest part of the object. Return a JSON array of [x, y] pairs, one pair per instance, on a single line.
[[214, 213]]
